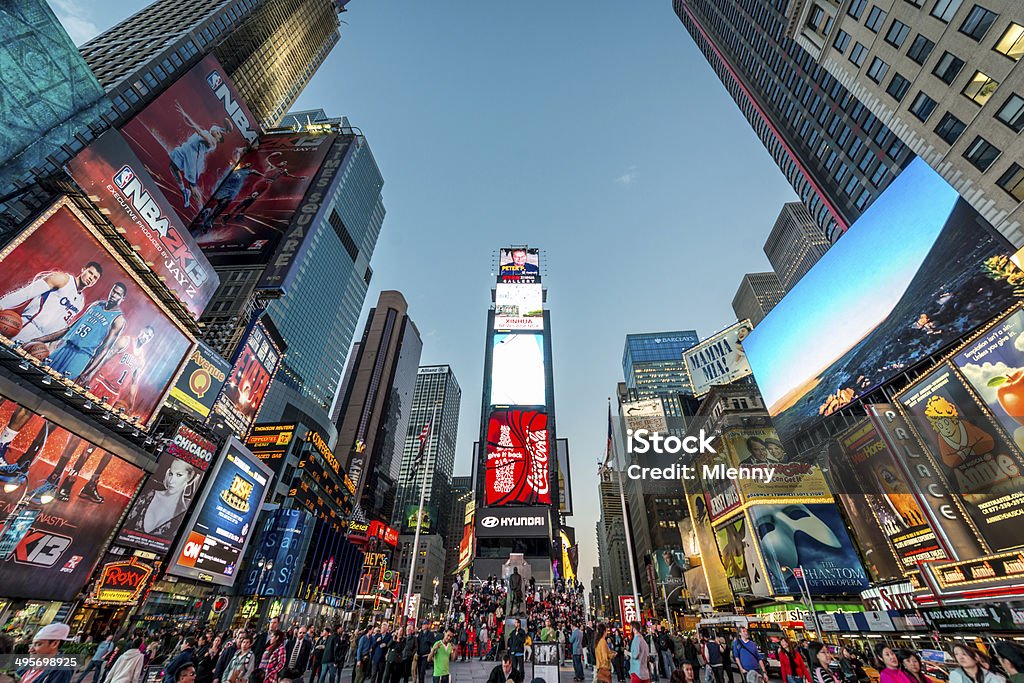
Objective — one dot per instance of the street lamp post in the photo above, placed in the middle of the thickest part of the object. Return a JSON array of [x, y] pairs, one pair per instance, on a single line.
[[801, 584]]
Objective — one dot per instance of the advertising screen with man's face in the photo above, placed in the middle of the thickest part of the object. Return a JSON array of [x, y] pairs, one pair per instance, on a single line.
[[78, 490], [519, 264], [192, 135], [70, 304]]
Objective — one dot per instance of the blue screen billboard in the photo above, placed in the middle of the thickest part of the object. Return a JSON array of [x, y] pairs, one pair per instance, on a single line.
[[918, 270]]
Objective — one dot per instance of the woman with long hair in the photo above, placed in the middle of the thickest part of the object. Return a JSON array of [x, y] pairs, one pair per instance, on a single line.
[[889, 667], [820, 658], [1011, 656], [793, 668], [160, 510], [912, 664], [971, 669], [602, 655], [274, 658]]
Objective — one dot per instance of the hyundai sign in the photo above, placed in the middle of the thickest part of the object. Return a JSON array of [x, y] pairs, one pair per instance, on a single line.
[[513, 522]]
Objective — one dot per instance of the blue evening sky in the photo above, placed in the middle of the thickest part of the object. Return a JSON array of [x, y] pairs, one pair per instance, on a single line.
[[854, 286], [590, 128]]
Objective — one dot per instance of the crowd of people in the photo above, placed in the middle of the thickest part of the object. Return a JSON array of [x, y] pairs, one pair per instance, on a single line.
[[478, 627]]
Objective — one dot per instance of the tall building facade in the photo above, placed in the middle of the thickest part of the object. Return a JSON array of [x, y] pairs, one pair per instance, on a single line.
[[945, 76], [436, 401], [757, 294], [461, 496], [319, 311], [652, 364], [794, 244], [837, 155], [377, 404], [270, 48]]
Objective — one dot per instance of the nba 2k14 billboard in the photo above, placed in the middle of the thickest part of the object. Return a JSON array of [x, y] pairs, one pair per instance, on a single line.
[[73, 492], [111, 173], [245, 218], [192, 135], [69, 304]]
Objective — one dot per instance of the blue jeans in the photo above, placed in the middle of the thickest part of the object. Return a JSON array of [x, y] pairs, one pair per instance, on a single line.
[[330, 672], [577, 666], [94, 665]]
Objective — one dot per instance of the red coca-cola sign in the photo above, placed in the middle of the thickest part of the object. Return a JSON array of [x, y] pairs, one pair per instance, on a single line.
[[122, 581]]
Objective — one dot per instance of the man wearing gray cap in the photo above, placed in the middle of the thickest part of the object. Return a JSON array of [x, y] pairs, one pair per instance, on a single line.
[[47, 644]]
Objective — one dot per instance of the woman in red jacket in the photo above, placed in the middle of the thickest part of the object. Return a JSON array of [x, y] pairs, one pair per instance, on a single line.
[[794, 668]]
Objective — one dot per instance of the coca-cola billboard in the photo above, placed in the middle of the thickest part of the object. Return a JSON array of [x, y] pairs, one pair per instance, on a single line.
[[518, 469]]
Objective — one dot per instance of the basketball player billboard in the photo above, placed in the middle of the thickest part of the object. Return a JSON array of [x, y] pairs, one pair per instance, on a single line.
[[71, 304], [192, 135], [167, 495], [113, 176], [244, 219], [518, 468], [253, 370], [79, 491]]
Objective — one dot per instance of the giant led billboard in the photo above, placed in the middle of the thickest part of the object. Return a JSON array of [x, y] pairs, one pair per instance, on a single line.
[[719, 359], [214, 540], [245, 217], [78, 492], [73, 305], [192, 135], [518, 306], [519, 264], [518, 465], [517, 370], [918, 270], [812, 537], [979, 465], [115, 179], [200, 382], [251, 374]]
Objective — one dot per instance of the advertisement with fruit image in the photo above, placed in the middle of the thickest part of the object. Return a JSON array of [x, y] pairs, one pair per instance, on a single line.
[[69, 304], [78, 490], [994, 367], [982, 469]]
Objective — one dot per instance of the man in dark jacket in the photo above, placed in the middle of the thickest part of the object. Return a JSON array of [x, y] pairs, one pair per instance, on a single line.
[[297, 652], [517, 646], [186, 656], [329, 664], [424, 641], [226, 654], [378, 651], [505, 672], [261, 641]]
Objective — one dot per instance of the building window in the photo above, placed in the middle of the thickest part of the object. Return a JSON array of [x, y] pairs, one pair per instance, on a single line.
[[980, 88], [948, 67], [920, 49], [922, 106], [978, 22], [1013, 181], [858, 54], [915, 3], [981, 153], [898, 87], [842, 40], [1012, 113], [816, 17], [876, 17], [1011, 43], [856, 8], [879, 174], [897, 33], [945, 9], [950, 128], [877, 70]]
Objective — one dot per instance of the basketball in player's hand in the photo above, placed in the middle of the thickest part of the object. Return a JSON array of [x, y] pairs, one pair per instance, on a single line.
[[10, 323], [37, 349]]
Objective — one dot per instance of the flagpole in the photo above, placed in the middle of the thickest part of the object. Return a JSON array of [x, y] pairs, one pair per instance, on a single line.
[[419, 520]]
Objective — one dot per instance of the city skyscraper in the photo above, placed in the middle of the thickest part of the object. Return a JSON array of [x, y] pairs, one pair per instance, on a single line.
[[270, 49], [757, 294], [319, 312], [652, 364], [377, 403], [836, 154], [944, 75], [794, 244], [436, 400]]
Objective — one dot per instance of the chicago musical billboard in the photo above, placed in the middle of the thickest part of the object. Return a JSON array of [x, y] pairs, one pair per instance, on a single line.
[[928, 269], [518, 466], [192, 135], [73, 306], [79, 492], [117, 182], [223, 521], [167, 495]]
